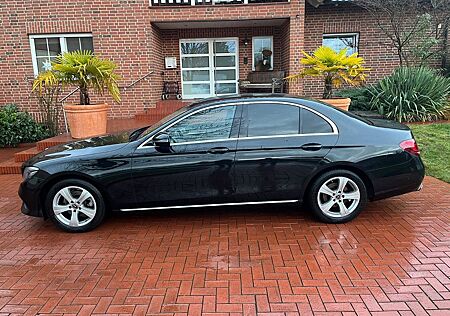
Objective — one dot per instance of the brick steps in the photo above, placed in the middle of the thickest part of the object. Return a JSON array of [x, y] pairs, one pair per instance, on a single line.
[[10, 166], [162, 109], [26, 154], [54, 141], [151, 116], [13, 165]]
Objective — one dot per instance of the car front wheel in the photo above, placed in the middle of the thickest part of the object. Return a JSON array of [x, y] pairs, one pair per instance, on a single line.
[[75, 206], [337, 196]]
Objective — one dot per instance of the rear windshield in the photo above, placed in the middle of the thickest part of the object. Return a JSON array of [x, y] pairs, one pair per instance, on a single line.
[[358, 117]]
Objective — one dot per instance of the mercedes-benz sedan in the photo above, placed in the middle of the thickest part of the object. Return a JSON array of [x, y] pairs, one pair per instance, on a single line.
[[240, 150]]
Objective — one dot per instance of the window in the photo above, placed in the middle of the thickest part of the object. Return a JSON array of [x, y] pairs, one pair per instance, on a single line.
[[272, 119], [313, 123], [340, 41], [262, 51], [45, 48], [209, 124]]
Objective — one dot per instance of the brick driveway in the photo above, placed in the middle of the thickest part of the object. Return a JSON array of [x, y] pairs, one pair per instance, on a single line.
[[395, 258]]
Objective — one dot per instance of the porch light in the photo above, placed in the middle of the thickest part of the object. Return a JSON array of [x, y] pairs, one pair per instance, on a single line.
[[245, 41]]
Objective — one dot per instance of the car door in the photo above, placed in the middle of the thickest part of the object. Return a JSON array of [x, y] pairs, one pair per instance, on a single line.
[[280, 145], [197, 167]]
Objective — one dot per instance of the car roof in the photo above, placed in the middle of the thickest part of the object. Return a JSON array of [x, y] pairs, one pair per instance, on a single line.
[[253, 97], [311, 103]]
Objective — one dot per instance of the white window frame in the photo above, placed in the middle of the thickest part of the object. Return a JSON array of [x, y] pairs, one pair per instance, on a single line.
[[354, 34], [212, 68], [62, 43], [253, 50]]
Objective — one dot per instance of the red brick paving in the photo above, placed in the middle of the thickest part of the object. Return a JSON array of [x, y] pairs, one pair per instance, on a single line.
[[393, 260]]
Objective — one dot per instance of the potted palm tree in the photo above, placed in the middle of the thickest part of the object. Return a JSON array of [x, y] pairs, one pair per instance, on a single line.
[[89, 73], [336, 69]]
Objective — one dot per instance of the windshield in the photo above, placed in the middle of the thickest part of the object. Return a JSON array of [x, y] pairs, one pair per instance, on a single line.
[[162, 122]]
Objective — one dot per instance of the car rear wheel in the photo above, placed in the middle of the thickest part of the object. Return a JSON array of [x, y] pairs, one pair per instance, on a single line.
[[75, 206], [337, 196]]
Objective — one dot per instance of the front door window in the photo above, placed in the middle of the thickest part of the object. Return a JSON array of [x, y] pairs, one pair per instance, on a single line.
[[209, 67], [206, 125]]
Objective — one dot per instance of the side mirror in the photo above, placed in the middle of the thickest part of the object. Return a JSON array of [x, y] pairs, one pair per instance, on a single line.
[[162, 140]]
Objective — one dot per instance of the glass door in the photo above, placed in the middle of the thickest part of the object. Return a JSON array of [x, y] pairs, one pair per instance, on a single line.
[[195, 69], [209, 67], [225, 67]]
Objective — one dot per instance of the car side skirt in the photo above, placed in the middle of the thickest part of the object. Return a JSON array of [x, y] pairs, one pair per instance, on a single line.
[[205, 205]]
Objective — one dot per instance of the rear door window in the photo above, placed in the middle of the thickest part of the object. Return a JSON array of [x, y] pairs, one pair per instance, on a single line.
[[311, 123], [266, 119]]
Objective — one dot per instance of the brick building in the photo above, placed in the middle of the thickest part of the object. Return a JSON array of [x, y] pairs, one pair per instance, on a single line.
[[214, 43]]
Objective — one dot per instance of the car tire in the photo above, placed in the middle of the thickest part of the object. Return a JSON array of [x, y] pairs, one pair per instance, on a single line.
[[337, 196], [75, 206]]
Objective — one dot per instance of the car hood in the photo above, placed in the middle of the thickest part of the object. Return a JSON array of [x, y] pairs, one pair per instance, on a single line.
[[88, 146]]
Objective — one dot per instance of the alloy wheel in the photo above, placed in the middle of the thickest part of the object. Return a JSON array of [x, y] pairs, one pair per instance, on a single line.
[[338, 197], [74, 206]]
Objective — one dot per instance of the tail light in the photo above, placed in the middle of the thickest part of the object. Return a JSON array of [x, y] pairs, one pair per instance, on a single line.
[[410, 146]]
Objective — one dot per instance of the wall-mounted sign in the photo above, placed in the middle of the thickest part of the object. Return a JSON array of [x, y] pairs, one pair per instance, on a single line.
[[171, 62]]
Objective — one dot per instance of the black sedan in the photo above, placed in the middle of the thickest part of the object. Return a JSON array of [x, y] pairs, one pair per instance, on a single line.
[[240, 150]]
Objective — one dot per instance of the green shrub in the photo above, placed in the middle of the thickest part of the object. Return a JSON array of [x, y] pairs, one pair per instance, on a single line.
[[19, 127], [360, 98], [412, 94]]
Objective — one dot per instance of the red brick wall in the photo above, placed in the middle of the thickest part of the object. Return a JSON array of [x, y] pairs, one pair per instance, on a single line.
[[121, 31]]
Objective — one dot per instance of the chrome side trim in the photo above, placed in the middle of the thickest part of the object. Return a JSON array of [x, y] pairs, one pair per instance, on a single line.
[[205, 205], [329, 121]]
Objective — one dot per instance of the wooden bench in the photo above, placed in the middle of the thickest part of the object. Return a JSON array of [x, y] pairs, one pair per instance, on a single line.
[[264, 80]]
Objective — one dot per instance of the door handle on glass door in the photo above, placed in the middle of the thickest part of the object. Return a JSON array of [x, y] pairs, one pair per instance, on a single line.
[[218, 150], [311, 147]]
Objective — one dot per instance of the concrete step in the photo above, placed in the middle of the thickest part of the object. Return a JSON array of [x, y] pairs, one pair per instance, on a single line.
[[26, 154], [10, 166]]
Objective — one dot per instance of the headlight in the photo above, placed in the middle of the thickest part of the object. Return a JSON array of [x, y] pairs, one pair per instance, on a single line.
[[28, 172]]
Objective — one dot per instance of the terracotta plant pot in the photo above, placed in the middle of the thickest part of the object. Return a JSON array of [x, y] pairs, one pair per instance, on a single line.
[[86, 120], [342, 104]]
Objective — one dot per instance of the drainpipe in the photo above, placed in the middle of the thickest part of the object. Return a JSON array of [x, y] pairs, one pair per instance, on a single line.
[[445, 48]]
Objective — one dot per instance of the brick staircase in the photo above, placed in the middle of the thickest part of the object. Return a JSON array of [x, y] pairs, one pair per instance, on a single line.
[[12, 166], [150, 116], [162, 109]]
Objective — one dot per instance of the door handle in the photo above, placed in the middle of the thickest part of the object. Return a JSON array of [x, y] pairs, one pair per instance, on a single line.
[[218, 150], [311, 147]]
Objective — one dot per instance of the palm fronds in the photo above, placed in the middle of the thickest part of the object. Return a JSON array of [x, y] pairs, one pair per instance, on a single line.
[[335, 67], [84, 69]]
